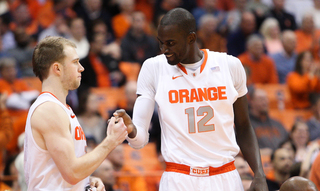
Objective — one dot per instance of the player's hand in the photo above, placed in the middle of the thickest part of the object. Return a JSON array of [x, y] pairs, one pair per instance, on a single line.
[[116, 131], [258, 184], [96, 183], [121, 113]]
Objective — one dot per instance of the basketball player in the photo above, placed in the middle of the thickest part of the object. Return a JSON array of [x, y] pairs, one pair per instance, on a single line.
[[55, 145], [200, 95]]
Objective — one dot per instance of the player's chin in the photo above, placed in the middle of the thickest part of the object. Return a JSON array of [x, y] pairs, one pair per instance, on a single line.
[[75, 86], [173, 62]]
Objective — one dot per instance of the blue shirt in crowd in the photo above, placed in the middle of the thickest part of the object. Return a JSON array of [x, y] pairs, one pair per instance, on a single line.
[[284, 64]]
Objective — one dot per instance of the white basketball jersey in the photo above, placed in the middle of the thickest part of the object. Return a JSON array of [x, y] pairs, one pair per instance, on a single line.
[[195, 107], [41, 172]]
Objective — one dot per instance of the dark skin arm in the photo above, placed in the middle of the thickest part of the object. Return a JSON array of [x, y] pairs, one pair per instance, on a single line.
[[248, 143]]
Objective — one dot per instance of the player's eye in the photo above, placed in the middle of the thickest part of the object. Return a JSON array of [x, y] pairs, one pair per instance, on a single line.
[[171, 43]]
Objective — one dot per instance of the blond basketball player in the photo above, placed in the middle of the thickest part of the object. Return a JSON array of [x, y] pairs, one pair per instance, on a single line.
[[55, 145], [200, 95]]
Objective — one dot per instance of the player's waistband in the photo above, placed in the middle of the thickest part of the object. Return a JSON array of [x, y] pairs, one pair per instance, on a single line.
[[199, 171]]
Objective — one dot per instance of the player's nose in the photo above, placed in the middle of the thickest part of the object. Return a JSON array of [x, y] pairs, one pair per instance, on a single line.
[[163, 49]]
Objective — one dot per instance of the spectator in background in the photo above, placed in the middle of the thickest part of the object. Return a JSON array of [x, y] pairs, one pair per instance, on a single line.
[[129, 178], [10, 170], [207, 33], [271, 33], [262, 67], [91, 10], [299, 135], [101, 70], [210, 7], [259, 9], [23, 19], [89, 118], [78, 37], [47, 12], [59, 27], [147, 7], [315, 11], [6, 130], [308, 36], [121, 22], [22, 53], [225, 5], [281, 162], [303, 81], [314, 122], [285, 19], [162, 7], [106, 173], [234, 15], [312, 151], [270, 133], [315, 172], [287, 144], [6, 34], [137, 45], [285, 59], [19, 94], [111, 48], [243, 168], [298, 8], [236, 41]]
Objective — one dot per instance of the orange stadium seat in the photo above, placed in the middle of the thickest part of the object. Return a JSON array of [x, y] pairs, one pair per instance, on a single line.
[[110, 99], [273, 92], [130, 70], [145, 161], [288, 116]]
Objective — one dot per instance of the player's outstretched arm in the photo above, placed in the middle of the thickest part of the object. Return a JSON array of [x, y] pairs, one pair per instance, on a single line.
[[248, 143], [52, 133]]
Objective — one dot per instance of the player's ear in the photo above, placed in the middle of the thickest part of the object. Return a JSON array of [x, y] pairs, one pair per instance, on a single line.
[[56, 68], [192, 37]]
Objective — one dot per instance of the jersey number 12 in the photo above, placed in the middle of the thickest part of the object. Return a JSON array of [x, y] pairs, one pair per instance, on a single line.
[[202, 126]]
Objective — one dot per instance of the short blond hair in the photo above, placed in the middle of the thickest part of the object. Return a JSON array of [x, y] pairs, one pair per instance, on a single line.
[[48, 51]]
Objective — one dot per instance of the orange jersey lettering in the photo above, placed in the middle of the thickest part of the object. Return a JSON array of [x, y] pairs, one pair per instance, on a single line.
[[197, 94], [79, 134]]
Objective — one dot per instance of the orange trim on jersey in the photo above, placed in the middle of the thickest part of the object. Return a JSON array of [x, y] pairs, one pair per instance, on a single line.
[[205, 53], [185, 169], [67, 106], [182, 68], [205, 59]]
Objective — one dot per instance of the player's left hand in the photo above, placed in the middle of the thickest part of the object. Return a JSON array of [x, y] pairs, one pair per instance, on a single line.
[[97, 183], [258, 184]]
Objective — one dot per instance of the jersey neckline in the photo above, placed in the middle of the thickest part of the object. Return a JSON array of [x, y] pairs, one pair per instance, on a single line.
[[205, 53], [66, 105]]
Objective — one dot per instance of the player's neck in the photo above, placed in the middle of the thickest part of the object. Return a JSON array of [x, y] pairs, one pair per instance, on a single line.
[[196, 57], [56, 88]]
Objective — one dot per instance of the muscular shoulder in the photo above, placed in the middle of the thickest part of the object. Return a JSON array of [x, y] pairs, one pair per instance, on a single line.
[[48, 116]]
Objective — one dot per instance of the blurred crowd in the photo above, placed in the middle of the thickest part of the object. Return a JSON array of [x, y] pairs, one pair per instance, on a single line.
[[277, 41]]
